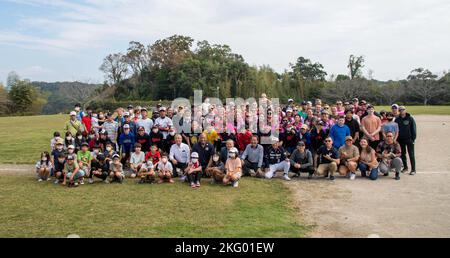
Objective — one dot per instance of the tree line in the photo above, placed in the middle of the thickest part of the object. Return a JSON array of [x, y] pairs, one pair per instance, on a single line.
[[175, 67]]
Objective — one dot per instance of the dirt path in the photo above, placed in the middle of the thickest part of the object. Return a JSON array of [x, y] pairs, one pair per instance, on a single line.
[[415, 206]]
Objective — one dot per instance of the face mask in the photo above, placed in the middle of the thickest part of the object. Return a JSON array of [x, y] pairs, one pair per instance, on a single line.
[[69, 138], [216, 159], [164, 160], [155, 131], [172, 133], [92, 136], [232, 155], [80, 137], [77, 109], [44, 159], [108, 148], [194, 160]]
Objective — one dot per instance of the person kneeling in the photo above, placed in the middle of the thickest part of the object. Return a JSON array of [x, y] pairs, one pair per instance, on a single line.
[[349, 155], [72, 171], [116, 170], [215, 169], [194, 171], [233, 168], [165, 170], [302, 160], [99, 169]]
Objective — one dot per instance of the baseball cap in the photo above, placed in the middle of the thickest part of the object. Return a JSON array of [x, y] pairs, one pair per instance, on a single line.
[[126, 126], [103, 131], [101, 157], [85, 144], [234, 150], [289, 110], [116, 156], [363, 102], [71, 147], [73, 113], [275, 140], [304, 126], [126, 114], [143, 109], [141, 128], [59, 142], [290, 100], [320, 123], [394, 106], [162, 109], [349, 138], [195, 155], [304, 103], [300, 143], [402, 108], [130, 107], [70, 157]]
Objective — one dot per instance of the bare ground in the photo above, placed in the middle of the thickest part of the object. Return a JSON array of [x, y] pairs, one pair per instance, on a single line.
[[415, 206]]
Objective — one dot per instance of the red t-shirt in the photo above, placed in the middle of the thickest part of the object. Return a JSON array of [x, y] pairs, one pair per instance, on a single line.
[[155, 157], [87, 121]]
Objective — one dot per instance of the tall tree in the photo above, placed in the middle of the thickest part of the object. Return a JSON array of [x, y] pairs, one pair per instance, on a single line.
[[355, 65], [115, 67], [13, 77], [422, 84], [138, 57]]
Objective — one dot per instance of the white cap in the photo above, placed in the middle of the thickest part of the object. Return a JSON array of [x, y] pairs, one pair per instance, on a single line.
[[290, 100], [233, 150], [71, 147], [289, 110], [126, 114], [194, 155], [126, 126], [73, 113]]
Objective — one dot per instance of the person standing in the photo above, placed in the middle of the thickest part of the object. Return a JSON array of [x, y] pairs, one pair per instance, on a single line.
[[406, 138], [371, 127], [339, 132]]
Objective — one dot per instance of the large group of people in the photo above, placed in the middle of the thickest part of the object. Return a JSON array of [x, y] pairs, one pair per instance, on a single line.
[[343, 139]]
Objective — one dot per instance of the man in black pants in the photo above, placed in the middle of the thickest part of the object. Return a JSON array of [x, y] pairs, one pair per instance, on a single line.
[[406, 138], [302, 160]]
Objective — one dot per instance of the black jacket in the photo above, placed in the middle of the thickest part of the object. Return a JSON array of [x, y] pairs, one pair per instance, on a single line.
[[407, 127]]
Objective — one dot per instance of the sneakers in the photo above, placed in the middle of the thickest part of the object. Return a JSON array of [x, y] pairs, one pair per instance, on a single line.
[[90, 181], [310, 176], [193, 186], [106, 181], [386, 174], [413, 172], [404, 170], [183, 178], [252, 173], [40, 180], [287, 178], [236, 184], [82, 181], [48, 179], [56, 181], [197, 184], [397, 176], [331, 178], [352, 176]]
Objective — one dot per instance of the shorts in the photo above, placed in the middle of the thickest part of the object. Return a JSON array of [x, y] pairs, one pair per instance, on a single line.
[[80, 174]]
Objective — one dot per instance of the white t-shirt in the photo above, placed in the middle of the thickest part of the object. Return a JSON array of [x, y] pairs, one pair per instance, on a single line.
[[146, 123], [164, 122], [137, 159]]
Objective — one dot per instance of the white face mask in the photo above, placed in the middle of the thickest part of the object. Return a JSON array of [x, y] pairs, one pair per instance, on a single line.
[[155, 131], [232, 155], [44, 158], [69, 138], [108, 148], [80, 137], [194, 160], [164, 160], [172, 133]]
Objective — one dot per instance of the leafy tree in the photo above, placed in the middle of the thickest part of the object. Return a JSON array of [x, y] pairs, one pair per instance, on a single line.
[[115, 67], [355, 65], [25, 98], [12, 79], [423, 84]]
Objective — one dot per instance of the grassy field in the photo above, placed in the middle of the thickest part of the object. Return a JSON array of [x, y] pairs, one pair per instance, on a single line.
[[258, 208], [23, 138], [422, 110]]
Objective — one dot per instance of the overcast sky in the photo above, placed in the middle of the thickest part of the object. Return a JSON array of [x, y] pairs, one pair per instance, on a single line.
[[61, 40]]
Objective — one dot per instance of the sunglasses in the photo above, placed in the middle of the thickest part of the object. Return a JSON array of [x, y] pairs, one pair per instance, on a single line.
[[389, 136], [327, 141]]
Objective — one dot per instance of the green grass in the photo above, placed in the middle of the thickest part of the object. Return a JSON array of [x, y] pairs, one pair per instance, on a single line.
[[24, 138], [258, 208], [422, 110]]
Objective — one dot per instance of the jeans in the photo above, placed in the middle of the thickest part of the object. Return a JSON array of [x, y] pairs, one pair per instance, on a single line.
[[283, 165], [395, 164], [408, 144], [194, 177], [364, 168]]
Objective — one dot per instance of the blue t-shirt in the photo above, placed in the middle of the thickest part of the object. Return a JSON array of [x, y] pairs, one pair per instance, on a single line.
[[338, 134]]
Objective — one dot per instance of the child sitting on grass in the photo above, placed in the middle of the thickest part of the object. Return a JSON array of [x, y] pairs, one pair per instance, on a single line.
[[233, 168], [147, 173], [72, 172], [58, 167], [137, 160], [165, 170], [216, 169], [100, 169], [194, 171], [43, 167], [116, 170]]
